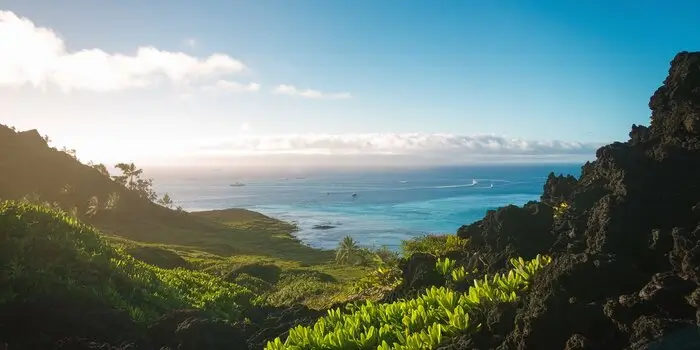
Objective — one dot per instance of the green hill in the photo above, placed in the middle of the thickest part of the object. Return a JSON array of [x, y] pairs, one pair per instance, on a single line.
[[218, 241]]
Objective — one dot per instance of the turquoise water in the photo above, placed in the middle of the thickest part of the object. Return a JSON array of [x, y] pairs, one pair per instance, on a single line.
[[389, 206]]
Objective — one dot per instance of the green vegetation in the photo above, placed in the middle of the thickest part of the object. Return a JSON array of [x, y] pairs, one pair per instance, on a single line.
[[437, 245], [46, 251], [112, 240], [259, 252], [348, 252], [383, 279], [424, 322], [131, 179], [561, 209]]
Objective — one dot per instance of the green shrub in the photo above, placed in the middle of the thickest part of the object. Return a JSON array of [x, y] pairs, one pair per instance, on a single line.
[[46, 251], [265, 271], [437, 245], [421, 323], [296, 287], [254, 284]]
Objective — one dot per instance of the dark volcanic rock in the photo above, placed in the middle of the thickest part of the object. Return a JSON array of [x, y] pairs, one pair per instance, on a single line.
[[192, 329], [529, 229], [418, 274], [558, 189], [323, 227], [634, 206], [626, 272]]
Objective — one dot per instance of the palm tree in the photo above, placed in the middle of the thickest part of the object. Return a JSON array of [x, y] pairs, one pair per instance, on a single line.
[[347, 251], [130, 174]]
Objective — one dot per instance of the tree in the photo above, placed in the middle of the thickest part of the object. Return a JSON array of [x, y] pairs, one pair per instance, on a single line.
[[348, 251], [145, 189], [130, 174], [70, 152], [99, 167], [131, 179], [166, 201]]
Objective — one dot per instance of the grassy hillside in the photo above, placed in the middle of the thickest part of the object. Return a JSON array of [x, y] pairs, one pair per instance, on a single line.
[[48, 252], [227, 243], [29, 167]]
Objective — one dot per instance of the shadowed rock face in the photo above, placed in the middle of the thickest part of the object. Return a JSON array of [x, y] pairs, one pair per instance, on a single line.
[[627, 254]]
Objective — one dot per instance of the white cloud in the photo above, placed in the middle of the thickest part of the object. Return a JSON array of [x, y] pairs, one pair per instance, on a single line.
[[245, 127], [37, 56], [227, 85], [435, 146], [308, 93]]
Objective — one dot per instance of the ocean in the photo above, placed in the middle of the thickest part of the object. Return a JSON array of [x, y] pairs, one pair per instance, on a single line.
[[377, 208]]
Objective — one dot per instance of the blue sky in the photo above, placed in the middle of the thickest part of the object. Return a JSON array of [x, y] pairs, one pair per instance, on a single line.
[[578, 72]]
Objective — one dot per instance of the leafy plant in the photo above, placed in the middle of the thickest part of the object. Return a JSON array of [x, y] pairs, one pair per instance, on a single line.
[[348, 251], [437, 245], [444, 266], [560, 209], [420, 323], [44, 251]]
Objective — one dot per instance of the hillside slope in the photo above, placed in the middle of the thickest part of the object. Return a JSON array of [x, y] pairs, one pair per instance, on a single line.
[[60, 277], [28, 166]]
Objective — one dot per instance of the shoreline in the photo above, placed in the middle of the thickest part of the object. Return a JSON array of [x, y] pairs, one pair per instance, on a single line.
[[294, 229]]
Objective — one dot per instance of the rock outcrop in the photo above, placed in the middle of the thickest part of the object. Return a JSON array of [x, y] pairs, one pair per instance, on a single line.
[[626, 273]]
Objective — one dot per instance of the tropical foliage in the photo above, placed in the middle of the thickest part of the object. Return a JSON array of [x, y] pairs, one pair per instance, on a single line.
[[45, 251], [424, 322], [131, 179], [348, 251], [561, 209], [383, 279], [437, 245]]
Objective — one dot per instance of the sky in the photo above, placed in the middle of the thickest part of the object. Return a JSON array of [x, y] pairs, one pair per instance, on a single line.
[[355, 82]]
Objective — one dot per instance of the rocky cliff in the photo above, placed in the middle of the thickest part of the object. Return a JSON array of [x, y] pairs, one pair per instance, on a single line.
[[627, 251]]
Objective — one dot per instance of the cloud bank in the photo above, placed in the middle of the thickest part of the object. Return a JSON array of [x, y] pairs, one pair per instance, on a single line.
[[309, 93], [396, 148], [36, 56]]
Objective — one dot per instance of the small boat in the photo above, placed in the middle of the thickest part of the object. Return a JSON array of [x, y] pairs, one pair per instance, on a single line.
[[237, 184], [354, 195]]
